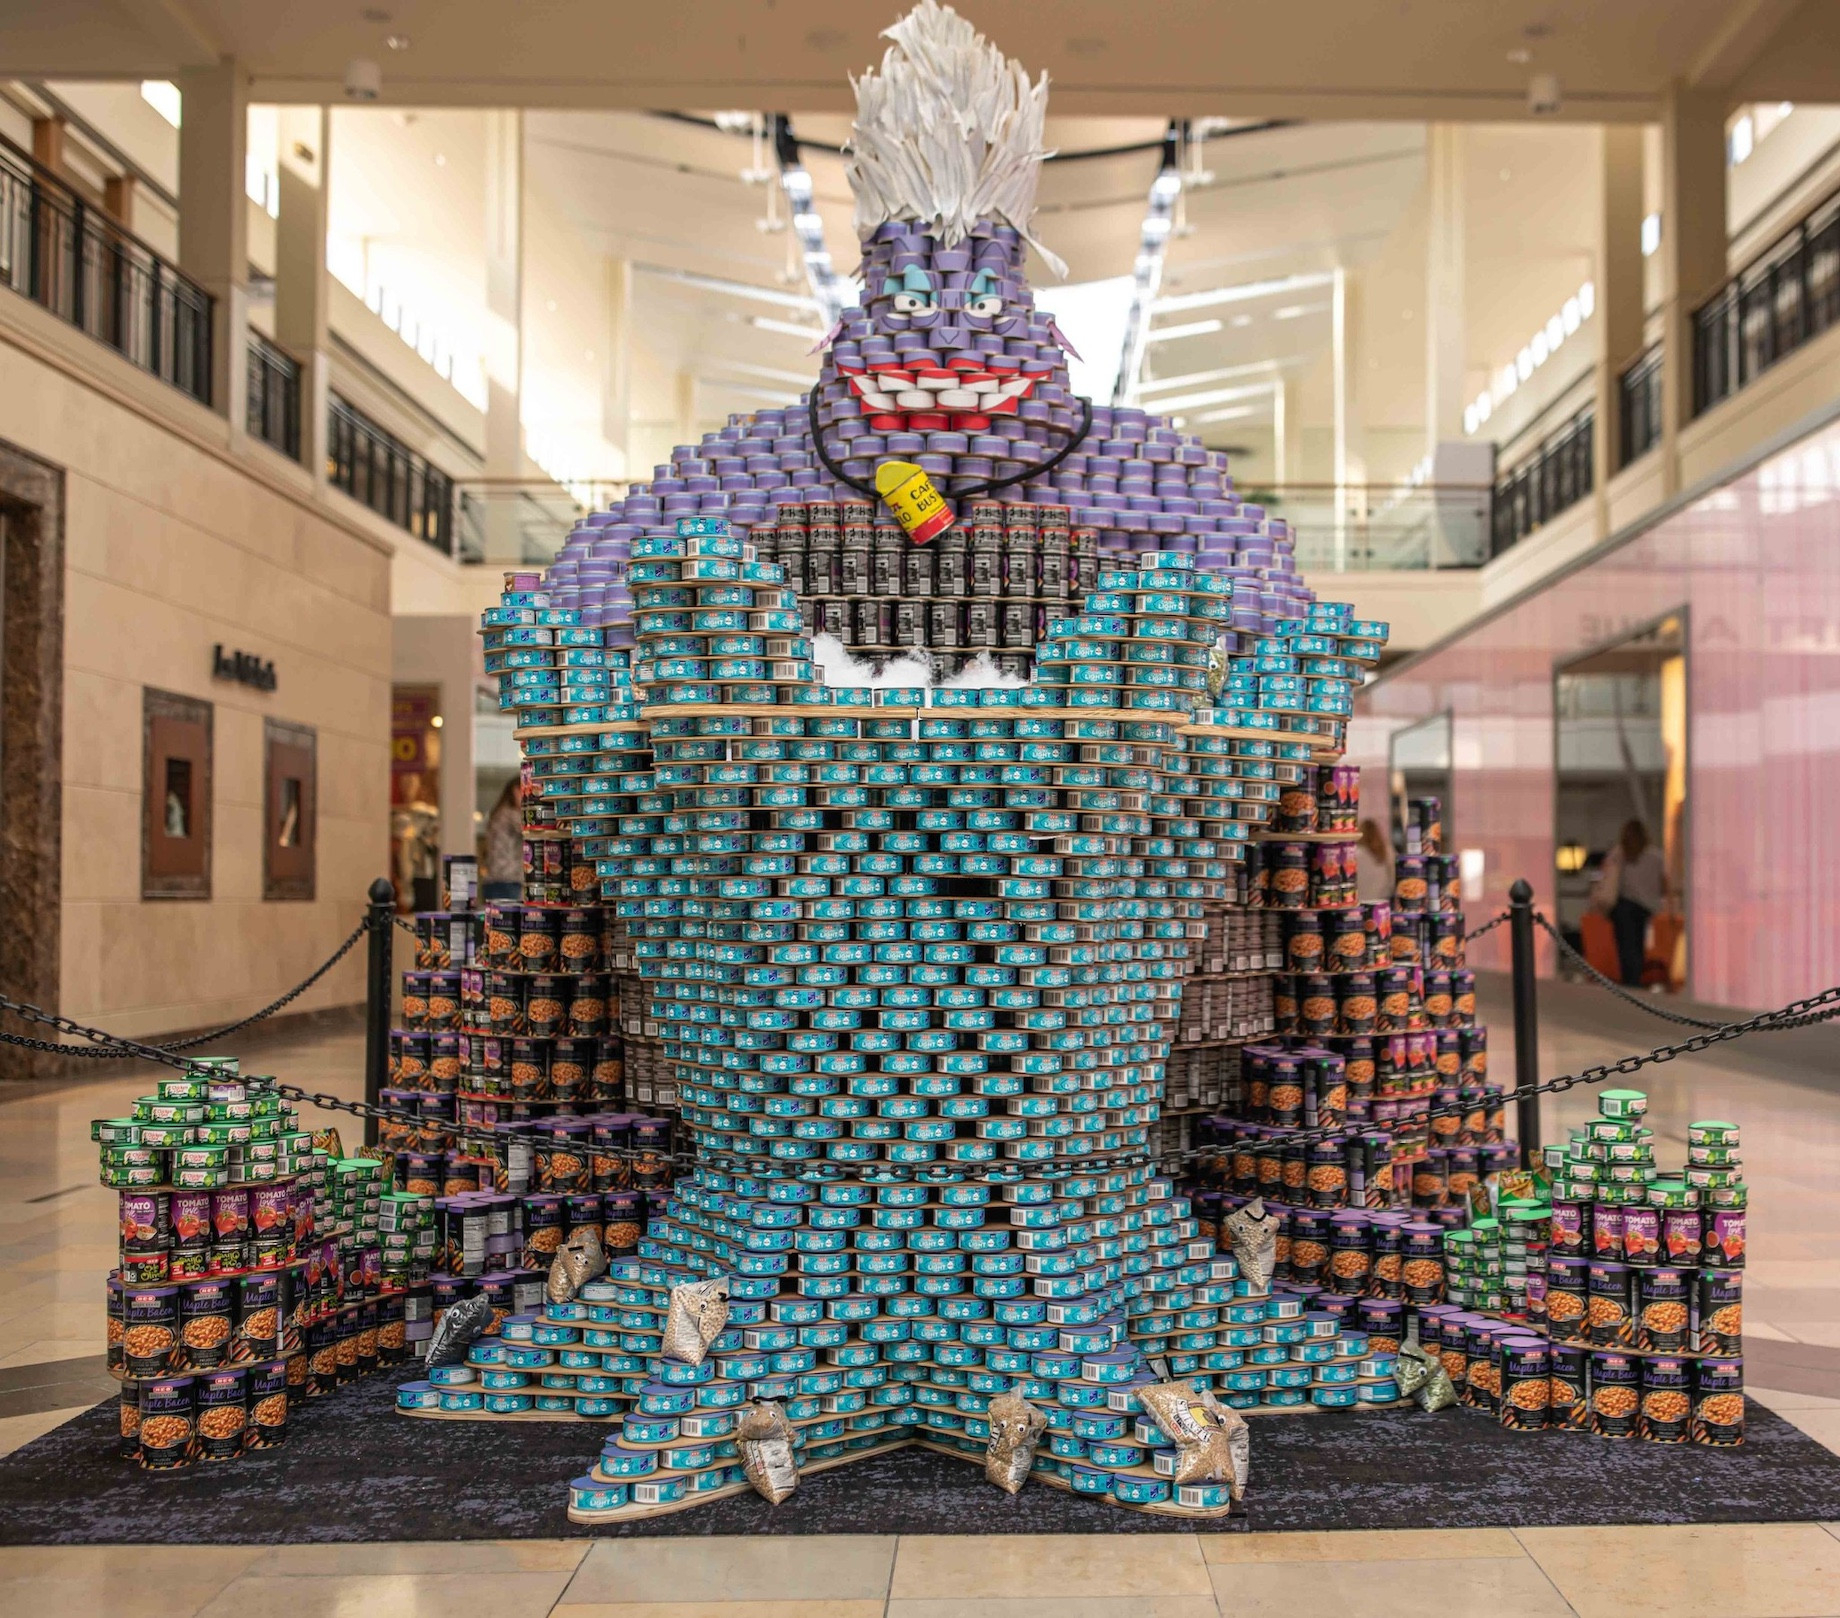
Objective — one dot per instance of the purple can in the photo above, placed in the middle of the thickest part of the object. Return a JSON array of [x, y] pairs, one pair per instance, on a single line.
[[1571, 1228], [1723, 1229], [1641, 1234], [222, 1404]]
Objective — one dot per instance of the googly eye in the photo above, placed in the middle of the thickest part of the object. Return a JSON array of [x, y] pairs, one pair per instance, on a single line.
[[988, 304], [910, 303]]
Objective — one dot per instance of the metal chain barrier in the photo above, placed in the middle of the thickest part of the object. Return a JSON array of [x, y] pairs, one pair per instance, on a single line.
[[115, 1050], [1641, 1002], [1487, 927], [1816, 1008]]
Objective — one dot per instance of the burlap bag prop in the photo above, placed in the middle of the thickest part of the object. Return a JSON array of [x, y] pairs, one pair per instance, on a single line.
[[765, 1439], [1252, 1236], [698, 1312], [455, 1331], [577, 1262], [1423, 1379], [1016, 1427], [1213, 1444]]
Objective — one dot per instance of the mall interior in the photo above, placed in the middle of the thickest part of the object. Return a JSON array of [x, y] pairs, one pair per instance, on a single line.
[[1375, 475]]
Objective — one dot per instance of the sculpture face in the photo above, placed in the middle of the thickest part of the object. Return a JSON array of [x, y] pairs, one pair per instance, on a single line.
[[948, 361]]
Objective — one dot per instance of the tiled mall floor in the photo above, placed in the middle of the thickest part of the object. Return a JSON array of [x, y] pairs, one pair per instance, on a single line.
[[57, 1240]]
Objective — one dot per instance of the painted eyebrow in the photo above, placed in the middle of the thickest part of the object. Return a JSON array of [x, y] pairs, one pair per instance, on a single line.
[[983, 283], [912, 279]]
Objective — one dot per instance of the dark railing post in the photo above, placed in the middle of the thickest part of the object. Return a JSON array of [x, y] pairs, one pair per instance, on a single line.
[[377, 1000], [1526, 1019], [153, 321]]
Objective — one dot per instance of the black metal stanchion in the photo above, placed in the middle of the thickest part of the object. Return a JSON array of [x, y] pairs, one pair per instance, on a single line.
[[377, 1001], [1526, 1019]]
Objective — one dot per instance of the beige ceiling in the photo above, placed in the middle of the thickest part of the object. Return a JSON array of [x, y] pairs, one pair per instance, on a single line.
[[1324, 59]]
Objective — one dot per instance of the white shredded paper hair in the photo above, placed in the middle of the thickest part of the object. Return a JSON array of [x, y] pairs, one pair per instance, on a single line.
[[948, 132]]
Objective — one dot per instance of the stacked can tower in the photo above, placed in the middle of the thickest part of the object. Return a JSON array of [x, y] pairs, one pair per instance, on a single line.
[[526, 1094], [916, 958], [1365, 1118], [987, 585], [1606, 1297], [251, 1273]]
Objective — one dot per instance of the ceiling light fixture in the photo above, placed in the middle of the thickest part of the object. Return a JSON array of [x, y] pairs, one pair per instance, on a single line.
[[1234, 413], [768, 373], [733, 289], [1210, 396], [1147, 268], [795, 180], [163, 96], [1194, 379], [1538, 349], [1192, 328], [786, 328], [398, 42], [1242, 292]]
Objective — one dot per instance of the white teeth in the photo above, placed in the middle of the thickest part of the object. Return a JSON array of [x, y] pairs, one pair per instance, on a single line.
[[936, 384], [958, 399], [984, 384], [877, 401], [1015, 387], [914, 400]]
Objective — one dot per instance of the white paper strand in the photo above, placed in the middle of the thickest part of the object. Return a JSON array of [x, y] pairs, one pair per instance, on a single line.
[[948, 132]]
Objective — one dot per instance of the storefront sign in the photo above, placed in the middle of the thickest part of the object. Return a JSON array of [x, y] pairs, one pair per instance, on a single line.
[[245, 668]]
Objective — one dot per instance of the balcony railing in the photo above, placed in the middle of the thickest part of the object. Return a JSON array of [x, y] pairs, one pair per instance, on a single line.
[[61, 251], [1362, 528], [274, 396], [1639, 392], [1556, 476], [1784, 298], [375, 467]]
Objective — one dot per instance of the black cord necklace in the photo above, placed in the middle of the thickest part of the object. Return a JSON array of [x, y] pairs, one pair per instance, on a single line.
[[989, 487]]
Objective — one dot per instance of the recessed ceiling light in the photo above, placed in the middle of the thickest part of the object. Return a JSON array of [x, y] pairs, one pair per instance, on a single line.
[[1242, 320], [440, 160], [1290, 311], [398, 42], [550, 305], [1520, 56]]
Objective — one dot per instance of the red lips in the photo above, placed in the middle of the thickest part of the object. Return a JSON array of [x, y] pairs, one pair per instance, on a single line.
[[958, 395]]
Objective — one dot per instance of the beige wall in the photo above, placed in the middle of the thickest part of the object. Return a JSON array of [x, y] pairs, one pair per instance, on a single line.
[[174, 543]]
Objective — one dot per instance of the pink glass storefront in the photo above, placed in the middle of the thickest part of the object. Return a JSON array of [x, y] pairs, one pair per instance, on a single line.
[[1756, 565]]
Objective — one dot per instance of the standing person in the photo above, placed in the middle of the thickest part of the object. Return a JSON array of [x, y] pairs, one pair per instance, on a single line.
[[1373, 865], [1632, 887], [503, 876]]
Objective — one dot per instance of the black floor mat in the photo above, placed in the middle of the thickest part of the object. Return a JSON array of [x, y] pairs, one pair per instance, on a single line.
[[353, 1470]]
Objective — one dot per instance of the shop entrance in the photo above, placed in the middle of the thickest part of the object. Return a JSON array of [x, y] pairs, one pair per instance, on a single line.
[[31, 732], [1419, 767], [1620, 804]]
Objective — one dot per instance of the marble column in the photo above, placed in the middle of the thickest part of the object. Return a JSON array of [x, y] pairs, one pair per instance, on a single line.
[[302, 281], [214, 221], [1693, 247], [1618, 278], [504, 243]]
